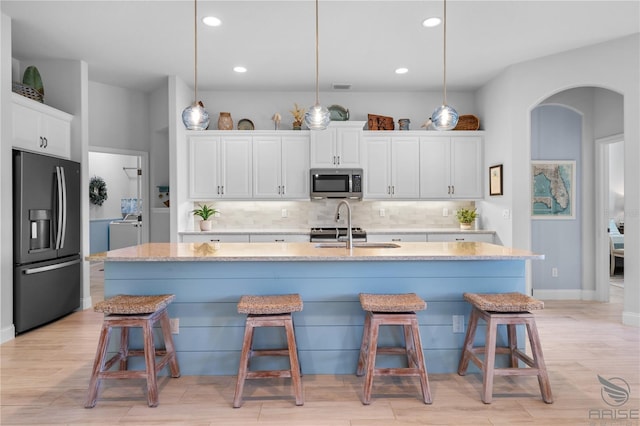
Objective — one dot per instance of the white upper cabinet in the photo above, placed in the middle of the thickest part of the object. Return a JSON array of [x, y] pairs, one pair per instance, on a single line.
[[337, 146], [392, 167], [281, 167], [40, 128], [220, 167], [451, 167]]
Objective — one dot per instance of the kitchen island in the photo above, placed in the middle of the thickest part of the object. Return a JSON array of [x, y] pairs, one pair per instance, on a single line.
[[208, 279]]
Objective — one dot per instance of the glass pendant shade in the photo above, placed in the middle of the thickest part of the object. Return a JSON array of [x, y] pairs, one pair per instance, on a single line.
[[195, 117], [444, 118], [317, 117]]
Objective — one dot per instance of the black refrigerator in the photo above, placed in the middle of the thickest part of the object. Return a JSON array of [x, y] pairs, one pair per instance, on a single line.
[[46, 239]]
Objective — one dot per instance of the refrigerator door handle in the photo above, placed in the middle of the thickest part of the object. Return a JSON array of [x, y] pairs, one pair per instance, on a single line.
[[64, 208], [59, 208], [51, 267]]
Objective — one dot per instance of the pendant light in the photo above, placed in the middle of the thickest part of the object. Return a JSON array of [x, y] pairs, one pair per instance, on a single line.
[[195, 117], [317, 117], [444, 117]]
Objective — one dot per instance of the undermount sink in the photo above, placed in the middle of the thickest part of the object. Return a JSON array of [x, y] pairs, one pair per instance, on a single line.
[[357, 245]]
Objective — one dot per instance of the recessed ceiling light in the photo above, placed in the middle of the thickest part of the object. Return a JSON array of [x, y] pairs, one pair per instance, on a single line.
[[431, 22], [402, 70], [239, 69], [211, 21]]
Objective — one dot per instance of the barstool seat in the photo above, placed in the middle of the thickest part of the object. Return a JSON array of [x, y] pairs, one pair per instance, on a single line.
[[125, 311], [508, 309], [269, 311], [392, 309]]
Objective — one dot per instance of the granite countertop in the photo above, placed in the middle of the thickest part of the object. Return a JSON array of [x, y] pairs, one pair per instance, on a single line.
[[238, 252], [305, 231]]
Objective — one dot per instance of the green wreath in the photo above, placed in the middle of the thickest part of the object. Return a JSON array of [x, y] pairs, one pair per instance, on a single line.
[[97, 191]]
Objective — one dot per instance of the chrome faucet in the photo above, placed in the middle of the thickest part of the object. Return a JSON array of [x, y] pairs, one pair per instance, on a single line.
[[349, 234]]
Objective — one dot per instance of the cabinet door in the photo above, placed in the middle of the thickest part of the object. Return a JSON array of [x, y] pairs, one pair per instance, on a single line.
[[348, 147], [466, 168], [26, 128], [267, 167], [435, 160], [405, 167], [57, 136], [236, 167], [295, 167], [203, 168], [323, 148], [377, 176]]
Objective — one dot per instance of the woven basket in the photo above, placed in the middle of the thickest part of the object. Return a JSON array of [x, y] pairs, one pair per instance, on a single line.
[[27, 92], [468, 122]]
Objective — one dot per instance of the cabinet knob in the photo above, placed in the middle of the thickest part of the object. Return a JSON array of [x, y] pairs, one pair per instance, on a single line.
[[338, 159], [46, 142], [453, 189]]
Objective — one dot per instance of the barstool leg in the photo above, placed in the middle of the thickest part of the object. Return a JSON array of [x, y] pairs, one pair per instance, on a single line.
[[165, 326], [468, 342], [244, 363], [488, 365], [124, 348], [538, 360], [364, 347], [98, 366], [293, 361], [374, 328], [419, 361], [150, 364], [513, 344]]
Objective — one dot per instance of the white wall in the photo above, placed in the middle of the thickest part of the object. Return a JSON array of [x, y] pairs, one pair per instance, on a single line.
[[614, 65]]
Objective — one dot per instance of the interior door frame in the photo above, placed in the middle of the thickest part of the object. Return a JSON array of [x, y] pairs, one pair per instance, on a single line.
[[602, 214]]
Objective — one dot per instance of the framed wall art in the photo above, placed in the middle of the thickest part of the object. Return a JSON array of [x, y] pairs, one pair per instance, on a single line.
[[553, 189], [495, 180]]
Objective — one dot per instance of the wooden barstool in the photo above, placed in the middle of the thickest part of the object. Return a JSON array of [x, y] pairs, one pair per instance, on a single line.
[[508, 309], [392, 309], [269, 311], [133, 311]]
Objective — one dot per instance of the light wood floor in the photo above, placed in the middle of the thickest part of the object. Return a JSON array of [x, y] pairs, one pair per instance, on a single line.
[[44, 377]]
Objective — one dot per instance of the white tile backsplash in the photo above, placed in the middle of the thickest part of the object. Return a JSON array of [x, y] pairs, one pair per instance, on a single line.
[[305, 214]]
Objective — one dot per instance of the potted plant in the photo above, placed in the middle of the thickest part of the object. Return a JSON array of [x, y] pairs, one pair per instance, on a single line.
[[466, 217], [205, 212]]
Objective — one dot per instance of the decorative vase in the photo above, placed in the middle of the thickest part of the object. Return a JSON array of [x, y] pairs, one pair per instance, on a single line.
[[225, 122], [403, 123], [465, 226], [205, 225], [297, 125]]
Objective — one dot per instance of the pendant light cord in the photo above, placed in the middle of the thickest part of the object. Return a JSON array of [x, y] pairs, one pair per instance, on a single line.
[[195, 56], [317, 59], [444, 56]]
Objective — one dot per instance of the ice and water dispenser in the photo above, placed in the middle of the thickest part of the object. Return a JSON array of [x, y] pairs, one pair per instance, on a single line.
[[40, 233]]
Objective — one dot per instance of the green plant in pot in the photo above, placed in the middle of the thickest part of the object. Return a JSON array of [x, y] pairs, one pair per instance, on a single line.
[[205, 212], [466, 217]]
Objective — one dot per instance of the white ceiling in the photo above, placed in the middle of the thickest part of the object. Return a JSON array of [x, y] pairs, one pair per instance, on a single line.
[[136, 44]]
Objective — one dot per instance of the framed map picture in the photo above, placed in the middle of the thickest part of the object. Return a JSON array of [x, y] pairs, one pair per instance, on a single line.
[[553, 191]]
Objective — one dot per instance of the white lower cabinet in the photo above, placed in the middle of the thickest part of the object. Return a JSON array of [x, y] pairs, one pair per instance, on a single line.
[[40, 128], [418, 237], [215, 238], [479, 238], [279, 238]]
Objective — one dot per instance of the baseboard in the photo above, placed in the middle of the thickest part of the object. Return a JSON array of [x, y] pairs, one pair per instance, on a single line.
[[631, 318], [7, 333]]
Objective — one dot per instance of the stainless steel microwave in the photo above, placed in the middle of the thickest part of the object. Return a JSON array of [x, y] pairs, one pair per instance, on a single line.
[[336, 183]]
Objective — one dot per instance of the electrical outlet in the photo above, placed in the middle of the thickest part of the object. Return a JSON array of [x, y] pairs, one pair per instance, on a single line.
[[284, 213], [445, 212], [381, 212], [216, 214], [554, 272], [458, 323], [506, 214], [175, 325]]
